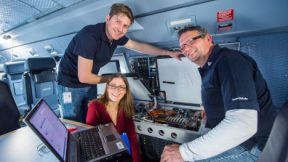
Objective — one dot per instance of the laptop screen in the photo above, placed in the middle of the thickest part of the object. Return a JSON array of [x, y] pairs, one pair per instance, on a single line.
[[50, 127]]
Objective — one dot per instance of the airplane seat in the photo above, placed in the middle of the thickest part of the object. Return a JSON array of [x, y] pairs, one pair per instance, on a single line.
[[40, 82], [3, 77], [9, 114], [276, 148], [13, 76]]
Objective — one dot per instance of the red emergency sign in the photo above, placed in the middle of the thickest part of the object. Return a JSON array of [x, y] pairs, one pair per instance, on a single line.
[[226, 15]]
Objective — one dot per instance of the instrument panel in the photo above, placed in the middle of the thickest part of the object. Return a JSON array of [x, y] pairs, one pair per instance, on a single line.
[[173, 123]]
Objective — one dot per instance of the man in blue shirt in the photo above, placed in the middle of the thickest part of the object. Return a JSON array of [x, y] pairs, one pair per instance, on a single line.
[[90, 50], [236, 100]]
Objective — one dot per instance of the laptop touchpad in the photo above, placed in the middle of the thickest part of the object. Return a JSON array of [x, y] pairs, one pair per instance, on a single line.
[[110, 138]]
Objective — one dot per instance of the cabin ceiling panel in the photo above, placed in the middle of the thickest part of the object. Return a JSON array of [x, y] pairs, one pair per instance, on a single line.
[[67, 3], [14, 13], [143, 7], [39, 5]]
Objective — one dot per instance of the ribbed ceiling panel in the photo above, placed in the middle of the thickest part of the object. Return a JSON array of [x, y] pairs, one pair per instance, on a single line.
[[14, 13]]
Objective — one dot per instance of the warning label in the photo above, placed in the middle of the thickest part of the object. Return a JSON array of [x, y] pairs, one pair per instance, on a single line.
[[226, 15]]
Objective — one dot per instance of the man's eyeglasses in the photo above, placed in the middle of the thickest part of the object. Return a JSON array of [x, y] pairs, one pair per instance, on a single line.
[[190, 41], [114, 87]]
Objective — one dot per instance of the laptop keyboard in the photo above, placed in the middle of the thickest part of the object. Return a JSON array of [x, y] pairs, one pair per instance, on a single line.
[[90, 145]]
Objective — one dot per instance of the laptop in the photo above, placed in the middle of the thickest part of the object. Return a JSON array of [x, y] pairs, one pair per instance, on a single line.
[[100, 143]]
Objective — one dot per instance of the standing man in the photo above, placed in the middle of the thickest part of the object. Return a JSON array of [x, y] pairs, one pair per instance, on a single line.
[[88, 51], [236, 100]]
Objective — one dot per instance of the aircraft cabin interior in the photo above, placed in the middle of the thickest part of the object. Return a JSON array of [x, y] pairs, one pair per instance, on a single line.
[[166, 92]]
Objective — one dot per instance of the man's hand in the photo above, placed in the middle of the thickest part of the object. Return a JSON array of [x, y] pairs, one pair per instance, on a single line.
[[171, 153], [175, 54]]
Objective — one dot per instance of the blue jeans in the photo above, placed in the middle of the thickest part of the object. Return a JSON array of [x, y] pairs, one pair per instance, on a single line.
[[77, 109], [236, 154]]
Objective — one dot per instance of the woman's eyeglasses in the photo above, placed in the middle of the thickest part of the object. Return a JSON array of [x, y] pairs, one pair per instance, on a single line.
[[114, 87]]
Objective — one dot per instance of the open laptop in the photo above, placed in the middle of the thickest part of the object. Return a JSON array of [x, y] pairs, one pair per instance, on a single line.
[[104, 141]]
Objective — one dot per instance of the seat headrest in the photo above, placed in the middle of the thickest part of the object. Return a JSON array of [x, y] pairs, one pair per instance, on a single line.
[[40, 63], [14, 67]]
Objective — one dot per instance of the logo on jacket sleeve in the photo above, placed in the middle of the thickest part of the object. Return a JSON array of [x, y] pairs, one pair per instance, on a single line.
[[240, 98]]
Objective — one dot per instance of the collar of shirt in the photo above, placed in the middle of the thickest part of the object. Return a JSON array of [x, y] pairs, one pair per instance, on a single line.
[[213, 57], [104, 36]]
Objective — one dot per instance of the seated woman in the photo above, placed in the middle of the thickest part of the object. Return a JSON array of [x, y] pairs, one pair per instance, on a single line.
[[116, 106]]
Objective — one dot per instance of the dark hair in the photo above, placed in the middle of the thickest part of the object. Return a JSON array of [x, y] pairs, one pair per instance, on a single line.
[[198, 28], [118, 8], [126, 103]]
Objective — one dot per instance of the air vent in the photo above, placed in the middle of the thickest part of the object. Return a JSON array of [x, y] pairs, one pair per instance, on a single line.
[[177, 24]]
